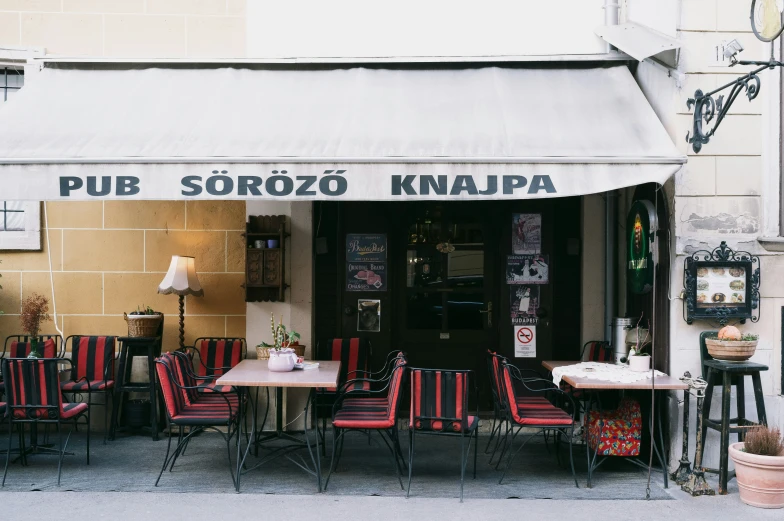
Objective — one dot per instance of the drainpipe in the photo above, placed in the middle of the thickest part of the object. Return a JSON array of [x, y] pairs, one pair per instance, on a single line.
[[610, 260], [612, 11]]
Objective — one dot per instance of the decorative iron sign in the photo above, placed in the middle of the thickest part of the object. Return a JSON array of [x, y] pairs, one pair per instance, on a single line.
[[641, 227], [722, 285]]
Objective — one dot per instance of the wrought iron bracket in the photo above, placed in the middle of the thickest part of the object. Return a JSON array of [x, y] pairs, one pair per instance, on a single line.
[[707, 108], [701, 303]]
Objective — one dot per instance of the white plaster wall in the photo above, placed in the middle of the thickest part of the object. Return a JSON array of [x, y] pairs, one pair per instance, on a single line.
[[297, 308]]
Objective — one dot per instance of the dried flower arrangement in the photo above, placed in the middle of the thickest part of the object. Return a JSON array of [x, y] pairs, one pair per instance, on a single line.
[[35, 309], [764, 441]]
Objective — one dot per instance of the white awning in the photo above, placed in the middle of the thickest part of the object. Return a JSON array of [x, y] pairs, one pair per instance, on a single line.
[[328, 134], [636, 40]]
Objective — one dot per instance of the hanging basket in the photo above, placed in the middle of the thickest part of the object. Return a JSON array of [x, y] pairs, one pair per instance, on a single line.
[[143, 325]]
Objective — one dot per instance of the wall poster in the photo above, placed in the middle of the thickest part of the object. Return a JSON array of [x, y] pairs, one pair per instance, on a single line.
[[366, 247], [366, 276], [527, 269], [523, 303], [369, 315], [526, 233]]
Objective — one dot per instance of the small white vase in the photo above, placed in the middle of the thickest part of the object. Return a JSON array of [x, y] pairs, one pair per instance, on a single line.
[[640, 363], [282, 360]]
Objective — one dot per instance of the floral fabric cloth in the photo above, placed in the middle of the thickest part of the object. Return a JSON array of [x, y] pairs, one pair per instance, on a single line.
[[615, 433]]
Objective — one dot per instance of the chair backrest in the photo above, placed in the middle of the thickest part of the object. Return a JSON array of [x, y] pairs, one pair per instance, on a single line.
[[439, 399], [32, 388], [704, 355], [173, 396], [494, 361], [597, 351], [18, 346], [218, 354], [352, 353], [395, 392], [183, 371], [92, 357], [508, 394]]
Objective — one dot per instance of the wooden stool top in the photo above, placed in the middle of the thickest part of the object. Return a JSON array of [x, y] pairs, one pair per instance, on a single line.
[[735, 367]]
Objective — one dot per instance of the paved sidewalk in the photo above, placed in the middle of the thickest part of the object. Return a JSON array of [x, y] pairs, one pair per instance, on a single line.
[[18, 506]]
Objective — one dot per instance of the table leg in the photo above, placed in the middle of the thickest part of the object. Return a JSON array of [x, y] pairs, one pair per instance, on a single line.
[[279, 410], [740, 394], [660, 450], [117, 401], [725, 432], [240, 420], [759, 399]]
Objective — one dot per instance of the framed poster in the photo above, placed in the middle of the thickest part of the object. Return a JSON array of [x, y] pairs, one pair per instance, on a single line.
[[368, 315], [722, 285], [366, 276], [523, 303], [526, 233], [366, 247], [527, 269]]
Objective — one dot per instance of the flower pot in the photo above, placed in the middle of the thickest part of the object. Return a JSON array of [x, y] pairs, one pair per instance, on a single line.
[[640, 363], [760, 478], [731, 350], [281, 360]]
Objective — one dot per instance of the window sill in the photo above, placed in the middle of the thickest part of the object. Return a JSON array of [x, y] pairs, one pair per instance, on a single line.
[[772, 243]]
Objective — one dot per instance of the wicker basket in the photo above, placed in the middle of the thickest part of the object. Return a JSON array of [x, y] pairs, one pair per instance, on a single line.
[[731, 350], [262, 353], [143, 325]]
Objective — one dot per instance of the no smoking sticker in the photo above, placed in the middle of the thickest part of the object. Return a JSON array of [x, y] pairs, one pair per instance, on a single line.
[[525, 341]]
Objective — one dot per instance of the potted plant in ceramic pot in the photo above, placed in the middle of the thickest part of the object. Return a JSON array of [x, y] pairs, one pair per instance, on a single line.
[[639, 338], [759, 467], [731, 345], [281, 355], [35, 309]]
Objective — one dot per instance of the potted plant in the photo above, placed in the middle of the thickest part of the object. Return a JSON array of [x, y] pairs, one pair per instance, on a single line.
[[759, 467], [144, 322], [731, 345], [280, 353], [35, 309], [639, 339]]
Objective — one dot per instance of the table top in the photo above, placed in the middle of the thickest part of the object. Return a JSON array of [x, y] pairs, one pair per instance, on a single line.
[[662, 383], [254, 373]]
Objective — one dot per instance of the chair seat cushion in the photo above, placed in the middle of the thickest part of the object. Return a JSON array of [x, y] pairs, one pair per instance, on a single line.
[[217, 400], [85, 385], [442, 426], [73, 409], [533, 402], [543, 416], [361, 419], [70, 410], [204, 415], [366, 404], [212, 387]]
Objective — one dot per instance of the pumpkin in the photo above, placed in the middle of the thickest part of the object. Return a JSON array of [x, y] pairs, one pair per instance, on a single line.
[[729, 333]]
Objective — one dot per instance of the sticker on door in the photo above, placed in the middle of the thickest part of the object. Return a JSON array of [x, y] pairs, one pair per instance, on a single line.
[[525, 341]]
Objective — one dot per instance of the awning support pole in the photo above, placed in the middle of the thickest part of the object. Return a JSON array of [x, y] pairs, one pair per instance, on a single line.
[[610, 261]]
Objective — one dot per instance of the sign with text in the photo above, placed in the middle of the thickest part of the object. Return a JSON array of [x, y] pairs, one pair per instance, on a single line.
[[365, 247], [366, 276], [525, 341], [527, 269]]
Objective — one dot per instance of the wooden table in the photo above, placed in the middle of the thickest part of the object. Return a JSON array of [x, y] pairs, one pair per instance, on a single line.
[[254, 373], [660, 383]]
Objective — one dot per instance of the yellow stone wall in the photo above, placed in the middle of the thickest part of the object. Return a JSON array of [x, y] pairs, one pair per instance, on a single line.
[[109, 257], [127, 28]]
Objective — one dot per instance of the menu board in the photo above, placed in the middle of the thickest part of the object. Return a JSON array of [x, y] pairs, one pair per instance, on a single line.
[[721, 286]]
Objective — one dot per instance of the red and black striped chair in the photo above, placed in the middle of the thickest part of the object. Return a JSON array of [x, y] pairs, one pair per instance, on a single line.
[[494, 363], [354, 357], [18, 346], [374, 418], [186, 407], [33, 397], [548, 418], [92, 371], [213, 356], [439, 406]]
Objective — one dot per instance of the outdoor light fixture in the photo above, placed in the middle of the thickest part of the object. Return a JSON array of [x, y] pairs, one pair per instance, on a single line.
[[767, 23], [181, 280]]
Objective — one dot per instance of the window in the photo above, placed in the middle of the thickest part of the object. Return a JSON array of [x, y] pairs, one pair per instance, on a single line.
[[20, 221]]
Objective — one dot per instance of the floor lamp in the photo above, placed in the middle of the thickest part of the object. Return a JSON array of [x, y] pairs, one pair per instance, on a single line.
[[181, 280]]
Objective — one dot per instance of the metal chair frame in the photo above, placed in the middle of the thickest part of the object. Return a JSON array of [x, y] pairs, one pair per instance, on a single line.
[[52, 412], [194, 350], [58, 343], [473, 432]]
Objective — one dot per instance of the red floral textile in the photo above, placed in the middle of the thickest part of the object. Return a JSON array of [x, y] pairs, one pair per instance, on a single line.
[[618, 432]]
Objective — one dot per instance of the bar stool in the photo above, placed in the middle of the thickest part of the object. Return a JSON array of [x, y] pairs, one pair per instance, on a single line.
[[732, 374]]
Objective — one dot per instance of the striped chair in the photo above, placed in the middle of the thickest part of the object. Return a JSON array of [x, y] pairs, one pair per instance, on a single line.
[[381, 419], [18, 346], [544, 418], [92, 372], [439, 406], [186, 407], [33, 397], [354, 357], [212, 357]]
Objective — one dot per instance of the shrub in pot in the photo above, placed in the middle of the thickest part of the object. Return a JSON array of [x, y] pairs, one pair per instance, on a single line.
[[731, 345], [759, 467]]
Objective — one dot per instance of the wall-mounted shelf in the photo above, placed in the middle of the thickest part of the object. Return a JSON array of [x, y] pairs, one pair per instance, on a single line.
[[265, 279]]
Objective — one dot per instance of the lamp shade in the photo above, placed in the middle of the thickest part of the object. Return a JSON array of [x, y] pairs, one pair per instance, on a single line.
[[181, 278]]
